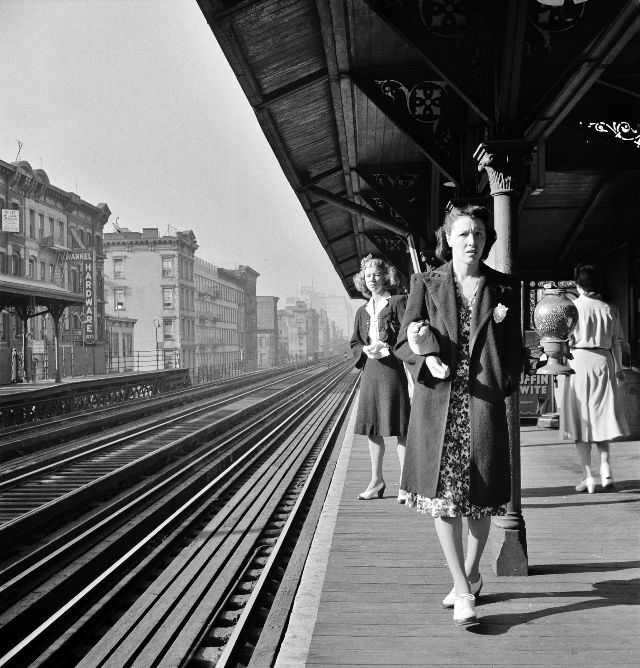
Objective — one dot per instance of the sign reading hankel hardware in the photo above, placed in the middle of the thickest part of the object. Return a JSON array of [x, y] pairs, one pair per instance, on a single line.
[[87, 263]]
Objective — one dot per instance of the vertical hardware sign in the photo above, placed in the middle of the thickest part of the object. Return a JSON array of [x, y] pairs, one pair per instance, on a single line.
[[87, 260], [89, 276]]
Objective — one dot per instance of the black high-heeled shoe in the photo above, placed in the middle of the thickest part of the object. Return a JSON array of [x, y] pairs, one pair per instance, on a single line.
[[369, 494]]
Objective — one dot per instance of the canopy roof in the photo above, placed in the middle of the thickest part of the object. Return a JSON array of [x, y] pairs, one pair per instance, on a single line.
[[374, 109], [17, 292]]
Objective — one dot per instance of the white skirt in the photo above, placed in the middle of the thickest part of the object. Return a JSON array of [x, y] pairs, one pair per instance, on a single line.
[[589, 401]]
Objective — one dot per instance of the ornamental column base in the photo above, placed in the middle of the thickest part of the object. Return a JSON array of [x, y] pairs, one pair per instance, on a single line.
[[509, 551]]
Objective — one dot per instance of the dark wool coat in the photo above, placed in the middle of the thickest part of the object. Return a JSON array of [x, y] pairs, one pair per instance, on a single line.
[[383, 405], [496, 358], [389, 320]]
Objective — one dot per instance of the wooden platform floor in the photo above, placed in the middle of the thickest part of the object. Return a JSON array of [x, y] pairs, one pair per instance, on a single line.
[[375, 575]]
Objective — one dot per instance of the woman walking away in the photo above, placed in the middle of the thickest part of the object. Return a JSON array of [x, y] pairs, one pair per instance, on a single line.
[[590, 406], [383, 406], [461, 338]]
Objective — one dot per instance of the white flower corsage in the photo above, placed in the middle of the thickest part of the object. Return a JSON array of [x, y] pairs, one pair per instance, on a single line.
[[500, 312]]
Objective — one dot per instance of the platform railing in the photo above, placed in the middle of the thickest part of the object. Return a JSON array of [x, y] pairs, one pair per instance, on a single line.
[[85, 395], [142, 360]]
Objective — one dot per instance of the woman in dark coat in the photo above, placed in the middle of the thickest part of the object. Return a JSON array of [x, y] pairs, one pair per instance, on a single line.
[[461, 338], [383, 405]]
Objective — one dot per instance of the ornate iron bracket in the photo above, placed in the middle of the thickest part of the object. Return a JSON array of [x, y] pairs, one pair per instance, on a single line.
[[504, 161]]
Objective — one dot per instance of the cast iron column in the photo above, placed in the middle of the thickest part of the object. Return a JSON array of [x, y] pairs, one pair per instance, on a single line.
[[56, 310], [503, 161]]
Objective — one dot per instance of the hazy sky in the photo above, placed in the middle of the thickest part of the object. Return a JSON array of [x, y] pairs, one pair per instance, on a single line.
[[132, 103]]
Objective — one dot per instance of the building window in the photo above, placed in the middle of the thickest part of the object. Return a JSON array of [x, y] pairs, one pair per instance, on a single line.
[[15, 264], [118, 299], [115, 348], [167, 297], [51, 272], [167, 267], [52, 226], [41, 226], [118, 267], [167, 329], [127, 344], [74, 285], [4, 326], [43, 271], [32, 223], [3, 263]]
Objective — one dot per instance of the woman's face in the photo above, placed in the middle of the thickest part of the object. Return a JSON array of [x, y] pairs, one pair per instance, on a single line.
[[467, 239], [374, 279]]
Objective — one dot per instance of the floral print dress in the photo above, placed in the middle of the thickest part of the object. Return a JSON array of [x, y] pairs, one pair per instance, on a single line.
[[452, 499]]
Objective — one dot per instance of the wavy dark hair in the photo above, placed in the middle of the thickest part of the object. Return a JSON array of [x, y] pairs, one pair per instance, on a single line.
[[589, 277], [481, 213], [389, 273]]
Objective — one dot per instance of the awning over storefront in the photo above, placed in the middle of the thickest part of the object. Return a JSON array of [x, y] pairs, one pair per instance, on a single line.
[[19, 293]]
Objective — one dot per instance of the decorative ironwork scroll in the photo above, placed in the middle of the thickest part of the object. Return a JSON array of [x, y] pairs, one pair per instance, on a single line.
[[619, 129]]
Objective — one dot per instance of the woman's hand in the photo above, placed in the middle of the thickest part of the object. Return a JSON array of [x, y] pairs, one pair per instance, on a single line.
[[376, 351], [437, 367], [417, 333]]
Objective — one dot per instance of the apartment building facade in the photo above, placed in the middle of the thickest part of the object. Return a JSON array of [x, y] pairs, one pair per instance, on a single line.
[[268, 354], [150, 280], [51, 248], [220, 304]]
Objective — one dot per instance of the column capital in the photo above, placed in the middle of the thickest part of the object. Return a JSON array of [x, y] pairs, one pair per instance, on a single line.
[[504, 160]]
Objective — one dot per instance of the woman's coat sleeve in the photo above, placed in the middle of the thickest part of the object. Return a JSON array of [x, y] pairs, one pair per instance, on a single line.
[[416, 311], [357, 343]]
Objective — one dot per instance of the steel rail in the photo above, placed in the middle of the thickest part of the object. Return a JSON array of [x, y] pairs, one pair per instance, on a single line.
[[29, 463], [140, 455], [263, 582], [31, 435], [159, 528], [161, 622], [193, 457]]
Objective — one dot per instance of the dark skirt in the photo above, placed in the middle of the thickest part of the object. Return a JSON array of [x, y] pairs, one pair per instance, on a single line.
[[383, 406]]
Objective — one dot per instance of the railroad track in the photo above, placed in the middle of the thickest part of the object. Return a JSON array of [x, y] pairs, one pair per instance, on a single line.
[[35, 490], [220, 508], [18, 442]]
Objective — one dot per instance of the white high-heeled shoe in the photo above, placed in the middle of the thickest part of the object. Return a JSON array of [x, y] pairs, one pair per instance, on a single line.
[[475, 587], [368, 494], [464, 612], [586, 485], [606, 478], [402, 496]]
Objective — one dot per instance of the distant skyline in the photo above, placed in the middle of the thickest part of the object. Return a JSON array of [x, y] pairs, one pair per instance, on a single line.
[[132, 103]]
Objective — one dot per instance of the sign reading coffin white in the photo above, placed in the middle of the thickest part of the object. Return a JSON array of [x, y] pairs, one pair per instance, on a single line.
[[10, 220]]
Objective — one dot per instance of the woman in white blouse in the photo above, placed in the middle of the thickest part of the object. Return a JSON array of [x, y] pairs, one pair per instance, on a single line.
[[383, 404], [590, 407]]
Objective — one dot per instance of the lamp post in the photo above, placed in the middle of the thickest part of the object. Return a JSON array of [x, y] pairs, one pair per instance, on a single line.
[[504, 162], [157, 323]]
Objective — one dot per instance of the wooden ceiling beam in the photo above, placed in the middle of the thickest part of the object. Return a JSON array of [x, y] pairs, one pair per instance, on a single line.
[[580, 224], [359, 210], [422, 49], [313, 180], [334, 38], [508, 93], [620, 89], [421, 145], [594, 61], [341, 237], [293, 88]]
